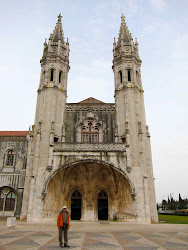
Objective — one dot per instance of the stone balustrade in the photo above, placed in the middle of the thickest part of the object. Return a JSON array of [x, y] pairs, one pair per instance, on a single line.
[[90, 147], [90, 107]]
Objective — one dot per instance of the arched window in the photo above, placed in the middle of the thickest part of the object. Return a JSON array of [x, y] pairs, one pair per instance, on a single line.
[[10, 201], [90, 134], [10, 158], [60, 76], [76, 195], [129, 75], [51, 75], [2, 197], [103, 195]]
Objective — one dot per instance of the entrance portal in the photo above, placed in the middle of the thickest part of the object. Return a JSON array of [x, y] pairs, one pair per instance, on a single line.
[[103, 206], [92, 191], [76, 200]]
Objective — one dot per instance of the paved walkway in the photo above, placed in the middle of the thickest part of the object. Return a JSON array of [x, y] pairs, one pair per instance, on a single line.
[[95, 235]]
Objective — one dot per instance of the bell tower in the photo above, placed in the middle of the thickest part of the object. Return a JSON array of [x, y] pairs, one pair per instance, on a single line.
[[49, 119], [52, 92], [131, 125]]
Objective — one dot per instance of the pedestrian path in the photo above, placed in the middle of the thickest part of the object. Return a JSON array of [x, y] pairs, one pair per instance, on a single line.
[[95, 236]]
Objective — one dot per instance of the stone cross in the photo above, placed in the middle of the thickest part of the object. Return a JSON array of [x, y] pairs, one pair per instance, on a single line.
[[59, 17]]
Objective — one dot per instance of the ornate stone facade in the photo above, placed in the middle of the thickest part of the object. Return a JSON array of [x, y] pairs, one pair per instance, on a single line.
[[91, 156], [13, 156]]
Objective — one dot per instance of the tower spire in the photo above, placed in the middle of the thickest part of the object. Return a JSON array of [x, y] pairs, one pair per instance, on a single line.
[[58, 31], [124, 33]]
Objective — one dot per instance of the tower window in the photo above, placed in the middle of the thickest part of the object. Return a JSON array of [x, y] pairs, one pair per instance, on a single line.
[[51, 75], [129, 75], [60, 76], [10, 158], [44, 76], [56, 139], [120, 76]]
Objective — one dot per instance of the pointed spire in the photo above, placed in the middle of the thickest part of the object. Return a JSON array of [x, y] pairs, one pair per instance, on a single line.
[[45, 42], [67, 41], [124, 33], [114, 41], [58, 31]]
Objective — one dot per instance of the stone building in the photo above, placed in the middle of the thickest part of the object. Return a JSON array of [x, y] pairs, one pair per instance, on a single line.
[[91, 156], [13, 154]]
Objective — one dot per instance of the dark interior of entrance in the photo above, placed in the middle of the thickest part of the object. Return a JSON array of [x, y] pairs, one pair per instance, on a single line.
[[103, 206], [76, 200]]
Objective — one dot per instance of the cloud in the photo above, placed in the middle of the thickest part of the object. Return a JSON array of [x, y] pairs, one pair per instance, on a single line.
[[158, 4]]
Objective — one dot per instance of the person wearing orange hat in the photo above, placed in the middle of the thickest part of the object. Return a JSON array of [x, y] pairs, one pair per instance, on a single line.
[[63, 224]]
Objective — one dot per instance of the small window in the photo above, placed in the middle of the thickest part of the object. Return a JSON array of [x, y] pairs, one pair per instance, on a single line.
[[123, 140], [51, 75], [56, 139], [120, 76], [10, 158], [85, 138], [10, 202], [2, 197], [129, 75], [94, 138], [60, 76]]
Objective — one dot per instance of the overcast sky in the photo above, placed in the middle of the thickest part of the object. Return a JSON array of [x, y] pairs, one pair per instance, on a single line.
[[161, 29]]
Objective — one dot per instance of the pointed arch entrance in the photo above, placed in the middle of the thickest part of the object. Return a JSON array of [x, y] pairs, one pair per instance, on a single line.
[[102, 205], [76, 205], [89, 178]]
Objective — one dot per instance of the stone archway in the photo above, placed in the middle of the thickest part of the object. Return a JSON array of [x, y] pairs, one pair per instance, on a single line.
[[89, 178], [8, 201]]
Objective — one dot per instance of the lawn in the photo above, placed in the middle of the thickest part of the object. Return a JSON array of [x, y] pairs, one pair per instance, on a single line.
[[173, 219]]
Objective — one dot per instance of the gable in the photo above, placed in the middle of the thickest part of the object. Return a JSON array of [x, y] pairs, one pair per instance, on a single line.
[[91, 100]]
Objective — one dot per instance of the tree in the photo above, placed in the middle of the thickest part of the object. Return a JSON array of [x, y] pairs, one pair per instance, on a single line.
[[180, 205]]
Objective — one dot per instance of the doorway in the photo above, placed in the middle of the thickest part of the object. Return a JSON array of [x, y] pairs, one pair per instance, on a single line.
[[76, 200], [103, 206]]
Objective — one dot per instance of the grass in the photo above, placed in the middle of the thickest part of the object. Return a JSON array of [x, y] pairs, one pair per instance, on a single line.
[[173, 219]]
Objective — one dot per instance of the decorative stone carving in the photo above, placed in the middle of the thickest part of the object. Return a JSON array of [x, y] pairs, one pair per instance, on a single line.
[[89, 205], [60, 146], [90, 107]]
